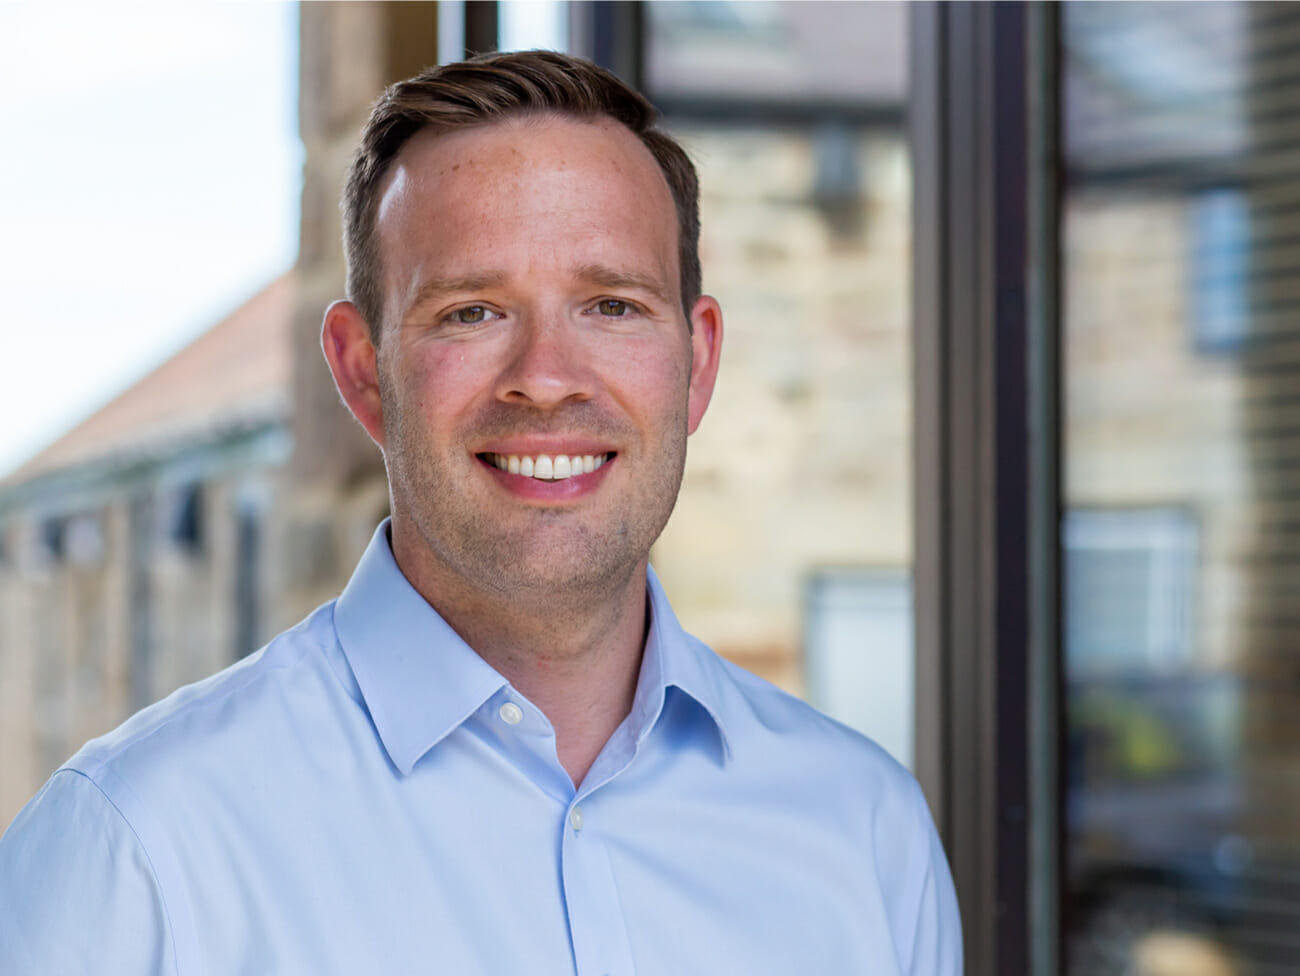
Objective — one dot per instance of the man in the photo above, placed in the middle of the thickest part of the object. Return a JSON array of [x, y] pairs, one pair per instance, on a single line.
[[497, 751]]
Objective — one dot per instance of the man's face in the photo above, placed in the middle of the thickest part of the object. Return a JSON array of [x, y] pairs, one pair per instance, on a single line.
[[533, 314]]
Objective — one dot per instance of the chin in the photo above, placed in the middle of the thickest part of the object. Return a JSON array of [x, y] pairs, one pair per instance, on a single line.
[[548, 575]]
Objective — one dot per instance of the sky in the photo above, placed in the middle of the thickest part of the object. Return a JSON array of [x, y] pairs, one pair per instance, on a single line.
[[149, 184]]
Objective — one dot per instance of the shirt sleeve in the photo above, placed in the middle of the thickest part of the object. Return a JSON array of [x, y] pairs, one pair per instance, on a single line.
[[936, 944], [77, 892]]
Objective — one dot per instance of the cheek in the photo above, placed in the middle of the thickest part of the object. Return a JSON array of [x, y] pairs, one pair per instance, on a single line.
[[441, 381], [649, 364], [654, 380]]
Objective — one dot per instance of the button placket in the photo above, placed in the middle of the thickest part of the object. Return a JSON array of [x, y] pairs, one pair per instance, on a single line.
[[597, 926]]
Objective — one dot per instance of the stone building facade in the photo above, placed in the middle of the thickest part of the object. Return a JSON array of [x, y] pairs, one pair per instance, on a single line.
[[803, 462], [135, 551]]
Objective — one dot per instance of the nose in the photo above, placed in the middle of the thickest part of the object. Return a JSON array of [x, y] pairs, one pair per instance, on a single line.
[[547, 366]]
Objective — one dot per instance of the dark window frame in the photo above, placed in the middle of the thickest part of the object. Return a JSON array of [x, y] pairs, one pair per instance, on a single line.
[[982, 110]]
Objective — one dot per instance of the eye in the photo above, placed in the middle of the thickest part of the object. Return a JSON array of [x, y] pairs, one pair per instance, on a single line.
[[470, 315], [613, 307]]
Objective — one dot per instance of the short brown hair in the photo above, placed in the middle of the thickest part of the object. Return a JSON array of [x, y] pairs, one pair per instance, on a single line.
[[493, 88]]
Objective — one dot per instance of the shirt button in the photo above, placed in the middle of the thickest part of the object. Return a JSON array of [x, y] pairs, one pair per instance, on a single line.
[[575, 818], [511, 713]]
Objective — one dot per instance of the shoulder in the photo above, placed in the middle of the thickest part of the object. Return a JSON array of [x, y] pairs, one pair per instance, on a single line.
[[801, 748], [769, 710], [227, 714], [137, 815], [108, 910], [859, 796]]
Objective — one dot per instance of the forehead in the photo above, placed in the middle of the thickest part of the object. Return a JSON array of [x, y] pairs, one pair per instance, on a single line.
[[523, 142], [541, 186]]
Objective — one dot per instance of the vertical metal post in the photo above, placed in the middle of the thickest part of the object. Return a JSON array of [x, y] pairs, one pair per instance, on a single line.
[[1046, 720], [482, 27], [928, 139], [618, 39], [980, 461]]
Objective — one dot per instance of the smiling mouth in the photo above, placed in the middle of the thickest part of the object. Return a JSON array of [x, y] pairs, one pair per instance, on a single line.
[[547, 467]]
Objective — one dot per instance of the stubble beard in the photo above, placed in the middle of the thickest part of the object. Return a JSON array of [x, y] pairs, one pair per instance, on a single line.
[[549, 560]]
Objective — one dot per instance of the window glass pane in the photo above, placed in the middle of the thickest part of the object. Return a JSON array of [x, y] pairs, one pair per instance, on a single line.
[[1182, 449], [778, 52], [790, 549], [528, 24]]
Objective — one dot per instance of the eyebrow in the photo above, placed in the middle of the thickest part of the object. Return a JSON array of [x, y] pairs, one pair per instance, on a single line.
[[606, 277], [475, 281]]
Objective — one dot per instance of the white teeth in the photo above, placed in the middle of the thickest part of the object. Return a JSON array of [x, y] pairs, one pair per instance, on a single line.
[[547, 467]]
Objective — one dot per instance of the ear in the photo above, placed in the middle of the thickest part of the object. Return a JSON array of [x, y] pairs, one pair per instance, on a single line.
[[345, 337], [706, 345]]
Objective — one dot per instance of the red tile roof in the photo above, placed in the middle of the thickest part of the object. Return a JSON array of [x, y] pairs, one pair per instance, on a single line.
[[237, 370]]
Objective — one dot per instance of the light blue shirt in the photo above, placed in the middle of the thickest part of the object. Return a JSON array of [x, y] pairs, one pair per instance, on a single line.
[[366, 795]]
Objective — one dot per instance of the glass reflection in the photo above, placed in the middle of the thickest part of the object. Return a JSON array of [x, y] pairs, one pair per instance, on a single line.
[[1182, 534]]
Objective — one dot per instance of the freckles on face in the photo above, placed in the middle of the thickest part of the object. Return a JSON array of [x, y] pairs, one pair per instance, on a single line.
[[506, 197], [538, 228]]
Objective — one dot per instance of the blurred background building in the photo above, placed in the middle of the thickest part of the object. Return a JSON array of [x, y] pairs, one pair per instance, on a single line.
[[1003, 467]]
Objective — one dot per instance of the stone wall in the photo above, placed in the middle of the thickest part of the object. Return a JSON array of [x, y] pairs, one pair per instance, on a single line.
[[803, 461]]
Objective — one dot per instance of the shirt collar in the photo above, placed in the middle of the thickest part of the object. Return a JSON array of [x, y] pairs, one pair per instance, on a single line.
[[420, 680], [675, 659]]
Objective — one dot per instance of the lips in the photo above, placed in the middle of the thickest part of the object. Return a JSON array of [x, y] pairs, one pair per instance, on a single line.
[[547, 467]]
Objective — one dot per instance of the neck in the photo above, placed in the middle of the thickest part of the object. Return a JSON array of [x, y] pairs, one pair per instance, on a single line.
[[576, 656]]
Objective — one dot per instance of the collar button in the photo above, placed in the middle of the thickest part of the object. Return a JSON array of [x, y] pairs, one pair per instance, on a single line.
[[511, 713]]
